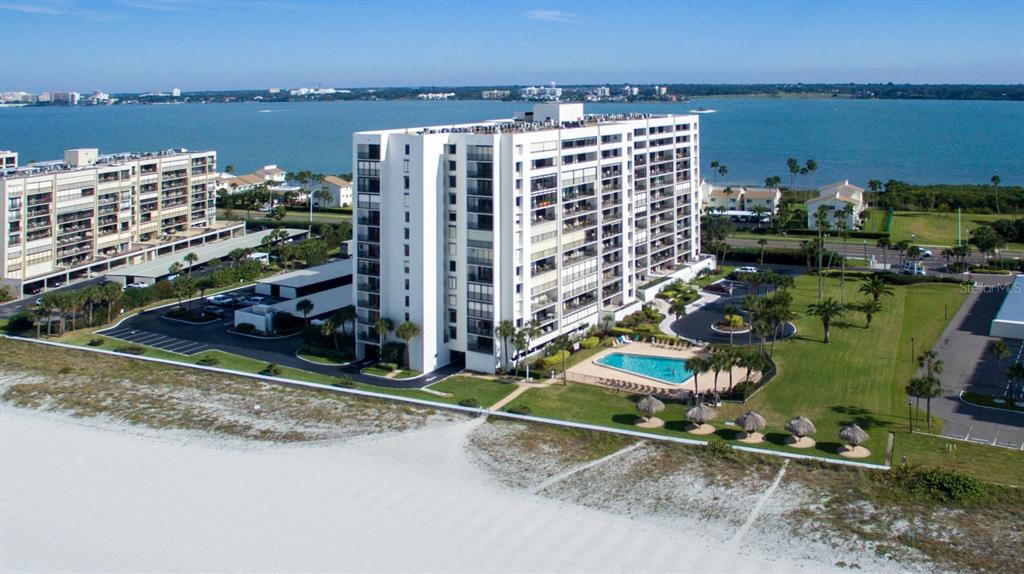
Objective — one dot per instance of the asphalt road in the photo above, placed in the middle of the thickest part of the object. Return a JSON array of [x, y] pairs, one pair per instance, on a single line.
[[855, 249]]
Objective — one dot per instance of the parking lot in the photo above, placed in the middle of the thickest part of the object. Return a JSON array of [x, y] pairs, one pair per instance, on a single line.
[[158, 340]]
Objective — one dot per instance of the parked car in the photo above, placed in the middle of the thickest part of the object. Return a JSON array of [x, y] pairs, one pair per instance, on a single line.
[[926, 253], [136, 285], [256, 299], [913, 268], [747, 269], [220, 299]]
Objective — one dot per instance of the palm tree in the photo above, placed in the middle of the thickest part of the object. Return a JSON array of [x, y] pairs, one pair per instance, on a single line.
[[75, 300], [191, 259], [111, 294], [869, 307], [995, 187], [764, 244], [714, 169], [305, 306], [884, 244], [649, 406], [875, 286], [174, 269], [918, 388], [827, 310], [563, 348], [720, 361], [763, 328], [678, 308], [930, 362], [529, 332], [772, 181], [999, 350], [505, 331], [794, 170], [51, 302], [346, 314], [723, 169], [1016, 374], [934, 391], [811, 166], [329, 329], [698, 366], [408, 331], [204, 283], [383, 327]]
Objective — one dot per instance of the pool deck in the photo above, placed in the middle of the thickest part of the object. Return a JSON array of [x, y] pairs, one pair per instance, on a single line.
[[592, 369]]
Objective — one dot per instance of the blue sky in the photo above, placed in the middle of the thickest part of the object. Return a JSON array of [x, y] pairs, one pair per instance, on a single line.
[[139, 45]]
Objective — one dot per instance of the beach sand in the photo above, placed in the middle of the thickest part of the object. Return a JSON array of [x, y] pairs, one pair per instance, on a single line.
[[87, 495]]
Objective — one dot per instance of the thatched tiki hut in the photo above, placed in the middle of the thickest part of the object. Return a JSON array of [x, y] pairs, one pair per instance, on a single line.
[[699, 416], [854, 436], [751, 424], [801, 427], [649, 406]]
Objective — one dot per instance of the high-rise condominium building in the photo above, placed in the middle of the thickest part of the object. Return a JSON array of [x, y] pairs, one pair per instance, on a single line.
[[553, 217], [66, 214]]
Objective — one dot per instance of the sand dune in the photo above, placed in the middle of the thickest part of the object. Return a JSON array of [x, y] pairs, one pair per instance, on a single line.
[[80, 497]]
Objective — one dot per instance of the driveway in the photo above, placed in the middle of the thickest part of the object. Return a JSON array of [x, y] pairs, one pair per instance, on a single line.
[[152, 329], [963, 349]]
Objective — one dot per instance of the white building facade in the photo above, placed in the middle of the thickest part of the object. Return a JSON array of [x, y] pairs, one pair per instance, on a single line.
[[555, 217], [62, 214]]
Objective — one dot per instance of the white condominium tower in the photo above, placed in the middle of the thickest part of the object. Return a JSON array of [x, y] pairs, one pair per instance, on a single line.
[[553, 216], [89, 211]]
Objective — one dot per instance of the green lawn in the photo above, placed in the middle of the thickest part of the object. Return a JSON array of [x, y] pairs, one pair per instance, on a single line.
[[990, 463], [487, 392], [318, 358], [859, 377], [937, 229]]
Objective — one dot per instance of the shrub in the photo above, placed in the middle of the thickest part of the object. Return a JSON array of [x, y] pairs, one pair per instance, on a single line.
[[803, 231], [716, 449], [387, 366], [608, 342], [947, 486], [345, 382], [989, 270], [470, 402], [131, 350], [245, 328], [902, 279], [95, 342], [555, 361], [734, 321], [20, 322], [288, 323], [521, 410], [616, 331], [590, 342], [777, 255], [272, 370], [208, 361], [394, 352], [64, 371]]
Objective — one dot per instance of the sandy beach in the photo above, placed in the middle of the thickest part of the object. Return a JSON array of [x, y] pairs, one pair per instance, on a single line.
[[84, 496]]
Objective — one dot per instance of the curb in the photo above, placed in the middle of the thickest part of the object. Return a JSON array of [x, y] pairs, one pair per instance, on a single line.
[[960, 396]]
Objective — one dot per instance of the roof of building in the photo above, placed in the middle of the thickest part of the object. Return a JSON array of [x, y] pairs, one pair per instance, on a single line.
[[839, 196], [311, 275], [269, 170], [335, 180], [213, 250], [1012, 310], [244, 180], [763, 192], [839, 185]]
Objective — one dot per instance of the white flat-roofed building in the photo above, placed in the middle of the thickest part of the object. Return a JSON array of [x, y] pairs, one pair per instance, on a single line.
[[836, 197], [1009, 321], [327, 286], [59, 215], [340, 190], [555, 217]]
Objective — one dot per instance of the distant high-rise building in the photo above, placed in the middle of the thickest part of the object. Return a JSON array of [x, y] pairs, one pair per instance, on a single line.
[[551, 92], [87, 209], [175, 92], [66, 97], [554, 217], [495, 94]]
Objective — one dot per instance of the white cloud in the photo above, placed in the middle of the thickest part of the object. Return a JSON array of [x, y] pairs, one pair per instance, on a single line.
[[550, 15]]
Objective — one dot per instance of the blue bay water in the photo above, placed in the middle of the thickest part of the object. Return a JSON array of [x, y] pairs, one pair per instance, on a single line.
[[917, 141]]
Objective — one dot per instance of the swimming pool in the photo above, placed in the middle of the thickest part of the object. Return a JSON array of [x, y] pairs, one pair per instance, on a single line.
[[664, 369]]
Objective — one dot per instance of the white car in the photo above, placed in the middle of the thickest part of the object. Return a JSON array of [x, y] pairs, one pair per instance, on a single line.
[[136, 285], [926, 253], [220, 299], [746, 270]]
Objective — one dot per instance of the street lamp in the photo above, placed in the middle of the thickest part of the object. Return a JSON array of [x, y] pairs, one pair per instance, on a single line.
[[865, 250], [913, 354], [910, 415]]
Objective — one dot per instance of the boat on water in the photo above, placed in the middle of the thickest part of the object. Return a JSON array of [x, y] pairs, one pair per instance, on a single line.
[[702, 111]]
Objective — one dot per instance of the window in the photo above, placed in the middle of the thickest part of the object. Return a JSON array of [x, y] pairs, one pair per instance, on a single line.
[[406, 231], [406, 284], [450, 148], [451, 181], [406, 316], [406, 300], [406, 247], [405, 181], [452, 217], [451, 266], [407, 149], [451, 165], [405, 166], [453, 316], [407, 217], [451, 199], [452, 283]]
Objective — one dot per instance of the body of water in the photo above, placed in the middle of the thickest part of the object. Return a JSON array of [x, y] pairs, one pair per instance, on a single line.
[[917, 141]]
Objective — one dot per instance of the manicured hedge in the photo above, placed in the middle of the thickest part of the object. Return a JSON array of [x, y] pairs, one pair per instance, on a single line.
[[776, 255], [803, 231]]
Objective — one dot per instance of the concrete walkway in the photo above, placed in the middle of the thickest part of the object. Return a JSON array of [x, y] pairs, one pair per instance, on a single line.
[[520, 389], [968, 366]]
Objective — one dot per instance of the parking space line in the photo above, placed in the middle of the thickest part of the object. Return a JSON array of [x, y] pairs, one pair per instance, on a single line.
[[198, 349], [145, 339], [160, 341], [179, 346]]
